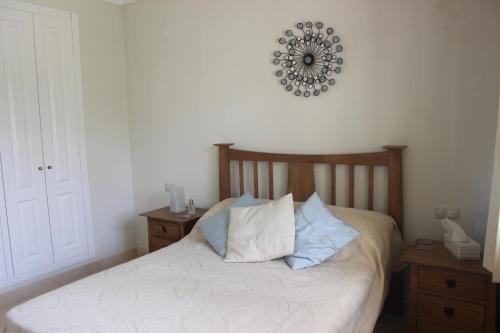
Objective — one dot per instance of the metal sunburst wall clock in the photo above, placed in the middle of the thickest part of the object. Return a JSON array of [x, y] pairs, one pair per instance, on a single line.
[[309, 60]]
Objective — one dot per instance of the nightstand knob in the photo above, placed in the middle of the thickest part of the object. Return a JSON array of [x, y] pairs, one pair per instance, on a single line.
[[450, 283], [163, 229], [449, 312]]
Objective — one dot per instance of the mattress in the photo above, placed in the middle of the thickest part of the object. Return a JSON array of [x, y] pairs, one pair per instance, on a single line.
[[187, 288]]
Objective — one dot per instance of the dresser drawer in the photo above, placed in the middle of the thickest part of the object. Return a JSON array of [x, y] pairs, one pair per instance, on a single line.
[[158, 243], [450, 313], [452, 283], [164, 230]]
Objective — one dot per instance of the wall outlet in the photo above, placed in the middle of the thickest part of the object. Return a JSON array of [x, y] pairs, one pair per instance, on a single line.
[[453, 213], [168, 187], [440, 212]]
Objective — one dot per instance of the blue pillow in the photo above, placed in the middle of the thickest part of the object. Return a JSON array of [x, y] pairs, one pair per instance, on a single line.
[[318, 234], [215, 227]]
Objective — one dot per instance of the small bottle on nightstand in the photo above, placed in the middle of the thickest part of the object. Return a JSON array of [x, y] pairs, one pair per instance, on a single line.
[[191, 209]]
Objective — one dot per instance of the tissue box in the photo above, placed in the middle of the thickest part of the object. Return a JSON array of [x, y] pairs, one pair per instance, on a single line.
[[470, 250]]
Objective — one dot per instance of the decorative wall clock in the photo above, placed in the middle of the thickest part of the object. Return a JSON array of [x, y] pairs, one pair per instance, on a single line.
[[309, 60]]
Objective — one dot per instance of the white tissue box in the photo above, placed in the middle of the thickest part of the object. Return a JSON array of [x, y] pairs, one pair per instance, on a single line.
[[470, 250]]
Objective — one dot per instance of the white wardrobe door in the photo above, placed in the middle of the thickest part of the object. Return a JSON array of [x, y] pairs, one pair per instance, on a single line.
[[3, 258], [57, 96], [3, 230], [20, 144]]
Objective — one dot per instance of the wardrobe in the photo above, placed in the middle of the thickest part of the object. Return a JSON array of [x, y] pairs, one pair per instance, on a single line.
[[45, 218]]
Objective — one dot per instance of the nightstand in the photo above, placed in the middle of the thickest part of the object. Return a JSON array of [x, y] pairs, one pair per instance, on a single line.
[[449, 295], [165, 228]]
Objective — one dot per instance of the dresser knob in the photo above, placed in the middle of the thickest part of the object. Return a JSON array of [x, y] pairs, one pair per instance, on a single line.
[[450, 283], [163, 229], [449, 312]]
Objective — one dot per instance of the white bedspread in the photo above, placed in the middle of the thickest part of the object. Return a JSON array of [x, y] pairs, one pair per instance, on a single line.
[[187, 288]]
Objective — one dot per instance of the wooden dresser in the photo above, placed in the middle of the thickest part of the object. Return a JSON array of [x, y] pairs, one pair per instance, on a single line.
[[165, 228], [448, 295]]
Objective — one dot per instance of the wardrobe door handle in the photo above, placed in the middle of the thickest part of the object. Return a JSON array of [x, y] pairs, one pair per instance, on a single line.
[[49, 167], [40, 168]]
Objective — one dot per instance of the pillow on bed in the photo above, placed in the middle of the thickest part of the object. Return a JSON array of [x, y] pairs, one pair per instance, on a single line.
[[318, 234], [215, 227], [261, 233]]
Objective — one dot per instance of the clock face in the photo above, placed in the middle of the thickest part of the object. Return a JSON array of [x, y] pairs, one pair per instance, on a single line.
[[309, 59]]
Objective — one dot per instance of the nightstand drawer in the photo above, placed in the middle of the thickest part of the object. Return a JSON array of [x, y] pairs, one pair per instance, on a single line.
[[158, 243], [455, 314], [452, 283], [165, 230]]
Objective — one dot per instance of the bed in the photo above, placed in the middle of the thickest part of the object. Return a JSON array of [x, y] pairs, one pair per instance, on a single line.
[[187, 288]]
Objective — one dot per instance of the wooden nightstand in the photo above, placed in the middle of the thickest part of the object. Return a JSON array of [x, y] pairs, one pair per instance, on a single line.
[[165, 228], [448, 295]]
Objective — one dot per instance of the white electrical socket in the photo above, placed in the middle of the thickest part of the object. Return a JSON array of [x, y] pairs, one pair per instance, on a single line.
[[440, 212], [453, 213]]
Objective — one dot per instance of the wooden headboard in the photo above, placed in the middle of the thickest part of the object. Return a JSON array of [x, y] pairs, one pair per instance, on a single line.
[[301, 181]]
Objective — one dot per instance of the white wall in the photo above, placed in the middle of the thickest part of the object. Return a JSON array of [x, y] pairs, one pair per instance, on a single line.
[[422, 73], [106, 121]]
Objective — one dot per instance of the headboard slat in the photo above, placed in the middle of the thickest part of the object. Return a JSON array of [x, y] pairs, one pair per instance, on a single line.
[[301, 180], [301, 173], [242, 177], [370, 187], [333, 182], [256, 179], [270, 180], [351, 185]]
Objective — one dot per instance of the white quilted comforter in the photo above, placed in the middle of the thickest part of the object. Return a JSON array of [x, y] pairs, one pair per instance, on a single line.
[[187, 288]]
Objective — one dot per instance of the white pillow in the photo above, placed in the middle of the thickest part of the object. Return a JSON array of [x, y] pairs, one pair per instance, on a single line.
[[262, 232]]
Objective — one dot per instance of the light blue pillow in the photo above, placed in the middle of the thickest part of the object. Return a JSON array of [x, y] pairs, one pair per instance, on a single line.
[[215, 228], [318, 234]]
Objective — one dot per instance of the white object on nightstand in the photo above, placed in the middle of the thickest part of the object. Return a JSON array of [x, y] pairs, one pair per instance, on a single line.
[[191, 209], [458, 243], [469, 250], [177, 199], [454, 231]]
